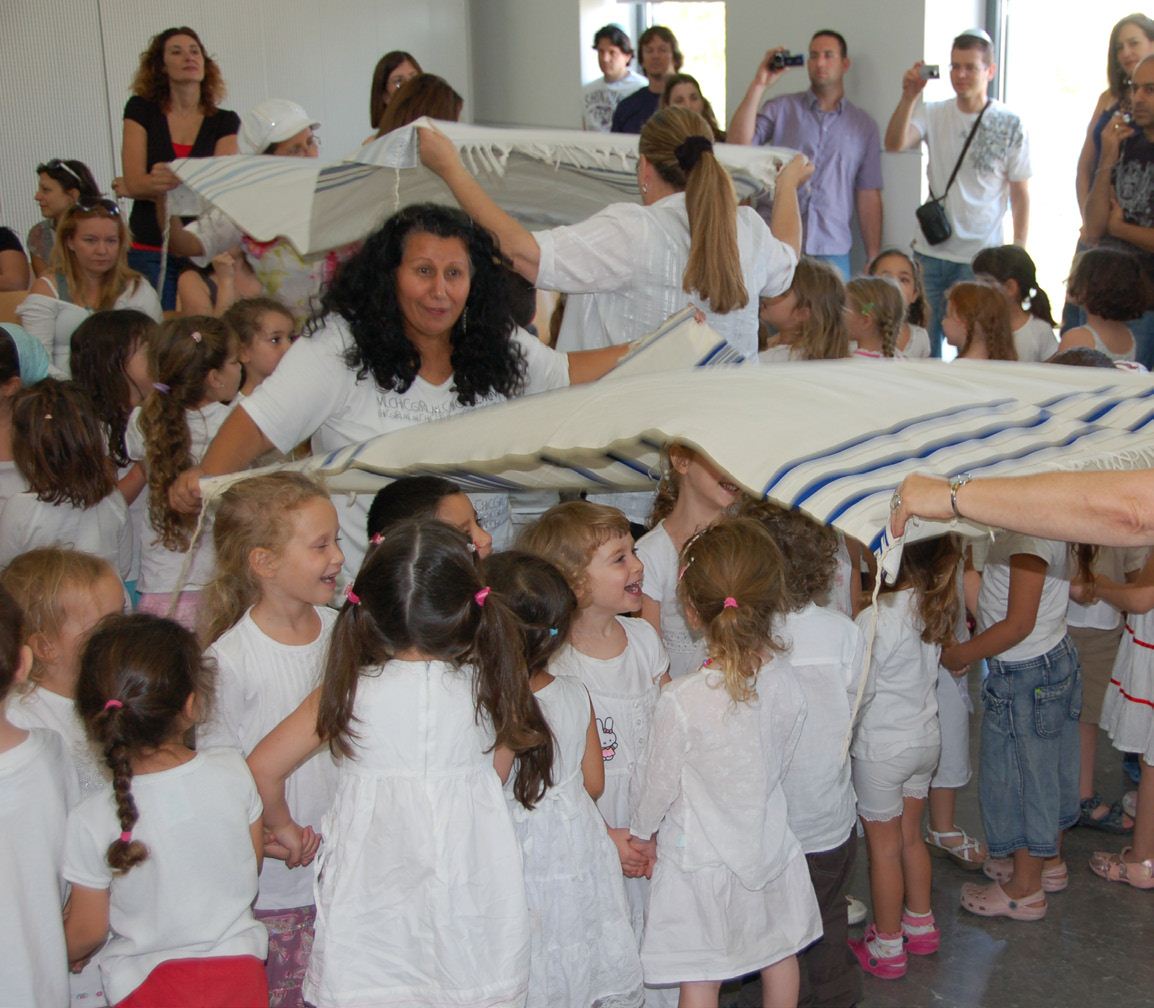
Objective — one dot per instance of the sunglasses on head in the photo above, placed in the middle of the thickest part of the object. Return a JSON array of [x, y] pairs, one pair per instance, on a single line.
[[57, 165], [107, 205]]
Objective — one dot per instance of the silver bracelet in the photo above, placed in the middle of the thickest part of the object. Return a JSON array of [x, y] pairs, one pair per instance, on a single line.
[[956, 484]]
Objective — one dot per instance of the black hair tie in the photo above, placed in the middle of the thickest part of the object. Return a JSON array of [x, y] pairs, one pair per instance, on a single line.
[[689, 151]]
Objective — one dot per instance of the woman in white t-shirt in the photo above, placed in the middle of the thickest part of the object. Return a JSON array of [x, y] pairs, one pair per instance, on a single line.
[[415, 327], [88, 272], [629, 267], [1031, 702]]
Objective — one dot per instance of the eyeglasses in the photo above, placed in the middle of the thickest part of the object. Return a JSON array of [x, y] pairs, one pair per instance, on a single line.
[[107, 205]]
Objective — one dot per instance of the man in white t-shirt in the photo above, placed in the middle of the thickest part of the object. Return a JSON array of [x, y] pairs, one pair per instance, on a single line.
[[600, 97], [992, 175]]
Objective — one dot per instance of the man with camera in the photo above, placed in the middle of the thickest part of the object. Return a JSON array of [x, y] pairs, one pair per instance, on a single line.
[[979, 161], [839, 138]]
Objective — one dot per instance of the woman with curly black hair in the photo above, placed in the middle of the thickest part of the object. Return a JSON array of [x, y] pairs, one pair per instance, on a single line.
[[415, 327]]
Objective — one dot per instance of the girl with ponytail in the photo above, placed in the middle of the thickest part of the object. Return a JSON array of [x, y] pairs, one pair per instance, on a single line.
[[197, 368], [630, 267], [168, 860], [1030, 319], [425, 703], [731, 892]]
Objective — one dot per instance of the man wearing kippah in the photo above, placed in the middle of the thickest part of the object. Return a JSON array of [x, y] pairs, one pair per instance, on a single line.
[[993, 173]]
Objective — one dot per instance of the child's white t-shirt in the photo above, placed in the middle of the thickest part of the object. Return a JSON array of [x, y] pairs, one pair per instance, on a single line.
[[159, 566], [1035, 341], [192, 897], [102, 530], [993, 598], [35, 795], [624, 692], [41, 708], [825, 650], [259, 683], [686, 650], [901, 707]]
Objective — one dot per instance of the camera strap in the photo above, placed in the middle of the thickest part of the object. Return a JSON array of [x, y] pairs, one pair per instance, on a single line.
[[962, 156]]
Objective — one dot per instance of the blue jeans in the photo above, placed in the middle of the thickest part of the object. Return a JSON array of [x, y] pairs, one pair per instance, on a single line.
[[1028, 778], [938, 276], [838, 262], [148, 265]]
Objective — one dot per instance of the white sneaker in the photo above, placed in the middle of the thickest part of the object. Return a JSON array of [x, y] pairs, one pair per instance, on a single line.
[[856, 909]]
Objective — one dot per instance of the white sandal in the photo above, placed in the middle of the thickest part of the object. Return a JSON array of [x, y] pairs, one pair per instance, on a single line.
[[969, 854]]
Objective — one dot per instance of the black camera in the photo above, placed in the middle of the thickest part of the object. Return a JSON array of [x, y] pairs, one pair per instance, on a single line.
[[781, 60]]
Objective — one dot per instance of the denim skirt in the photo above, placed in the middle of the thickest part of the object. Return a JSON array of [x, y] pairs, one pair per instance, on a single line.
[[1028, 781]]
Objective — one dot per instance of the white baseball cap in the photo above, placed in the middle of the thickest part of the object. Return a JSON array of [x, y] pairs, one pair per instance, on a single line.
[[272, 121]]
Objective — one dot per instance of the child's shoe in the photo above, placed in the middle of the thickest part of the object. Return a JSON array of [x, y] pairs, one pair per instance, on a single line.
[[878, 955], [920, 933]]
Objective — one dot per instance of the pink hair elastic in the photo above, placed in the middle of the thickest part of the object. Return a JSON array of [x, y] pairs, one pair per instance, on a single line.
[[126, 836], [195, 336], [352, 596], [483, 594], [109, 704], [376, 539], [729, 603]]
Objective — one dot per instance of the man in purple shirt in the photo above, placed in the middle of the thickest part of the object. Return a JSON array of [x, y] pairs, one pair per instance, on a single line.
[[840, 139]]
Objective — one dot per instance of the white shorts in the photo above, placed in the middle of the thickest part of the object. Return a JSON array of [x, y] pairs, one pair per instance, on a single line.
[[881, 786]]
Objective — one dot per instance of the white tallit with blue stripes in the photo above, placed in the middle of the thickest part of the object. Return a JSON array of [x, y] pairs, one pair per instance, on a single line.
[[542, 177], [831, 437]]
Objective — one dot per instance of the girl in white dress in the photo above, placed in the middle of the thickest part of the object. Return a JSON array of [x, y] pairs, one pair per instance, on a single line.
[[420, 892], [620, 660], [582, 947], [731, 892], [1128, 717], [267, 614], [692, 494]]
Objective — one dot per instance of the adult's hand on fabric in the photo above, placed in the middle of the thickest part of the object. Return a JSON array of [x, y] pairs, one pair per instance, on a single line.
[[161, 179], [184, 494], [922, 497], [796, 172], [438, 153]]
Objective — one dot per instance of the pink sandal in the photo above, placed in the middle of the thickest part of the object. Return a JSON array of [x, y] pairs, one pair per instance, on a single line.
[[1001, 870], [992, 901], [1112, 867]]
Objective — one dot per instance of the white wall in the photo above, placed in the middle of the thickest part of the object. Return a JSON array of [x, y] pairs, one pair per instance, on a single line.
[[527, 55], [68, 64]]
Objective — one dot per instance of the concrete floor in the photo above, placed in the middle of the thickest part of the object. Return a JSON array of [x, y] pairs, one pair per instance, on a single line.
[[1094, 948]]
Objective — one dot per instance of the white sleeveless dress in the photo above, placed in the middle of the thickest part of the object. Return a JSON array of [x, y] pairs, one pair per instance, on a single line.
[[420, 893], [583, 949]]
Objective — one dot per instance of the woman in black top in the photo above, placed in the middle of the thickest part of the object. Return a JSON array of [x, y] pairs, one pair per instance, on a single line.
[[172, 113]]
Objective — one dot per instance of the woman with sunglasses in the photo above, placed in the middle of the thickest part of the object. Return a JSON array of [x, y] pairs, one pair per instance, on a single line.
[[88, 272], [172, 114], [60, 186]]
